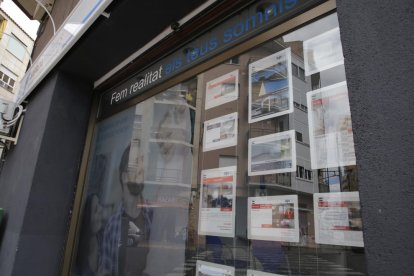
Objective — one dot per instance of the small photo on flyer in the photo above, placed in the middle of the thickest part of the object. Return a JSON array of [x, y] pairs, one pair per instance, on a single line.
[[338, 219], [273, 218], [274, 153], [220, 132], [217, 202], [270, 87], [222, 90], [330, 127], [211, 269], [323, 52]]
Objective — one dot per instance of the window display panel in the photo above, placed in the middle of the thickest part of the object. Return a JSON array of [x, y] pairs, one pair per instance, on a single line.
[[278, 228], [138, 188], [328, 210], [248, 168], [219, 172]]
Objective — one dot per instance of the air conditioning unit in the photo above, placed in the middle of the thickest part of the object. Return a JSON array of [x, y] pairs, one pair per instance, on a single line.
[[7, 109]]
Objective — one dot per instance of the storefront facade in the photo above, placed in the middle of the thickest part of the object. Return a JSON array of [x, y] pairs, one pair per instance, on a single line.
[[232, 154]]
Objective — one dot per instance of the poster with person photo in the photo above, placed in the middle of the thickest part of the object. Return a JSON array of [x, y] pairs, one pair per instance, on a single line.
[[217, 202], [222, 90], [270, 86], [273, 153], [115, 197], [330, 127], [273, 218], [338, 219]]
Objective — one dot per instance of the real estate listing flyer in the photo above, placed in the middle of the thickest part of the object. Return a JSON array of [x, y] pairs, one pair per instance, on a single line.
[[220, 132], [273, 218], [322, 52], [217, 202], [274, 153], [330, 127], [270, 86], [222, 90], [338, 219], [211, 269]]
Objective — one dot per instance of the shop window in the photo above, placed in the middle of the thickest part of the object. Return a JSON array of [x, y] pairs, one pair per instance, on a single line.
[[217, 185]]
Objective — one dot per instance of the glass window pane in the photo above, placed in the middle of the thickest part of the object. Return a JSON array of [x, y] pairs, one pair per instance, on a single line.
[[241, 169], [16, 47]]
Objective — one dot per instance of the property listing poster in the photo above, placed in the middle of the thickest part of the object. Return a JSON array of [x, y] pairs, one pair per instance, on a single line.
[[217, 202], [323, 52], [330, 127], [211, 269], [220, 132], [274, 153], [270, 86], [273, 218], [338, 219], [260, 273], [222, 90]]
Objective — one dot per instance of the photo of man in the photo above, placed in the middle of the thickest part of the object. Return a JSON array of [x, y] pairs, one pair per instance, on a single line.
[[126, 232]]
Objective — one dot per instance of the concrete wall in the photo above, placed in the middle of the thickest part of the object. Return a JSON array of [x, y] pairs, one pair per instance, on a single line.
[[377, 39], [38, 179]]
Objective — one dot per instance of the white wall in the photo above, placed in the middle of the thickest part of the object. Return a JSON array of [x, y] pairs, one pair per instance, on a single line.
[[8, 60]]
